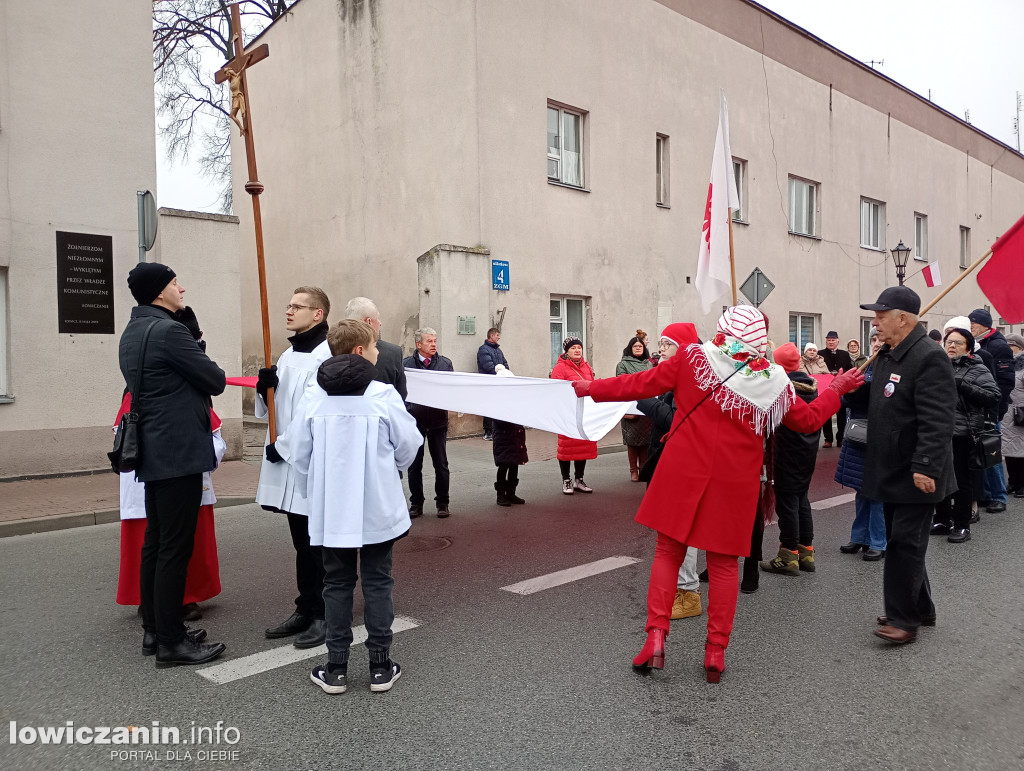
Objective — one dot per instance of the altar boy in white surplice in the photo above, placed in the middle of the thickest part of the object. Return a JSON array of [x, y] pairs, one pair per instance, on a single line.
[[351, 436]]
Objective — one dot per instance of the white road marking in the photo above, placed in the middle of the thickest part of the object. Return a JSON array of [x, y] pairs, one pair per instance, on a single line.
[[828, 503], [568, 575], [264, 661]]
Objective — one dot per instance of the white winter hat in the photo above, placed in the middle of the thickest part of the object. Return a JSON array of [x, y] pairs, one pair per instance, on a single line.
[[809, 346]]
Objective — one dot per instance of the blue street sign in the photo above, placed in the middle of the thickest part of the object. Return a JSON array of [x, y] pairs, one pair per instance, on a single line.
[[499, 274]]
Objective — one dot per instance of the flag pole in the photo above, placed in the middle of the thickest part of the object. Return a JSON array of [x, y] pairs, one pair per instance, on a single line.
[[967, 271], [732, 261]]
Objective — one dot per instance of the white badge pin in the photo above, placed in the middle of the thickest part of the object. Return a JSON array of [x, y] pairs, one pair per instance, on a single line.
[[890, 389]]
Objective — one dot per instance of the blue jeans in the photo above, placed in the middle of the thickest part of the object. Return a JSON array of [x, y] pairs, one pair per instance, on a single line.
[[869, 523], [995, 480]]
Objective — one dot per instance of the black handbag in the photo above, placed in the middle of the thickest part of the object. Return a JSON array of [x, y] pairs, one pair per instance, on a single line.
[[125, 455], [856, 432], [987, 450]]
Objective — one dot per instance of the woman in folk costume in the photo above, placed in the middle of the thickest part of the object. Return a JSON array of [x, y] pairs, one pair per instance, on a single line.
[[708, 479], [203, 581], [572, 366]]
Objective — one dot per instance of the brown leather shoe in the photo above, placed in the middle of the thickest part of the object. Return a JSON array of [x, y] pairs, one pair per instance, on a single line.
[[895, 635], [926, 621]]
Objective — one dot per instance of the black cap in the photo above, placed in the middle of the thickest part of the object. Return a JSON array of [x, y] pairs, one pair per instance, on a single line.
[[896, 298], [147, 280], [981, 316], [832, 334]]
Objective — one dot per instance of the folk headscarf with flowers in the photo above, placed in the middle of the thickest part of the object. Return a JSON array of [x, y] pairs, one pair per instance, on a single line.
[[760, 393]]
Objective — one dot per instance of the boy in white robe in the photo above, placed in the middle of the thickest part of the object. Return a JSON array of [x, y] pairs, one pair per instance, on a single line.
[[351, 436]]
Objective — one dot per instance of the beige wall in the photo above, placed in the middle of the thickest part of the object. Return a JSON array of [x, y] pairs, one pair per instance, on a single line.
[[431, 129]]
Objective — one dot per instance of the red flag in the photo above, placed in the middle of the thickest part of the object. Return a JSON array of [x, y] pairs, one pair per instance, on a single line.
[[1000, 279]]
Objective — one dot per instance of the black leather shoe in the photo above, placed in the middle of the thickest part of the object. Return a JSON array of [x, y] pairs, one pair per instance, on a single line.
[[296, 623], [415, 511], [188, 651], [873, 555], [1019, 492], [975, 518], [149, 641], [443, 513], [314, 636], [959, 536], [941, 528], [853, 548], [995, 507]]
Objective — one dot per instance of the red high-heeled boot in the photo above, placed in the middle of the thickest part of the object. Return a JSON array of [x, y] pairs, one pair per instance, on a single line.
[[653, 654], [714, 661]]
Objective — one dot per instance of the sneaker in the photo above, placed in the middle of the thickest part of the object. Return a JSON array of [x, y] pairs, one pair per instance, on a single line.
[[329, 683], [488, 438], [805, 556], [567, 487], [381, 679], [686, 605], [786, 563], [582, 486]]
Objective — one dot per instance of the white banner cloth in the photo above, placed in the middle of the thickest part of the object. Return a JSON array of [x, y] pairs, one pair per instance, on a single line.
[[550, 405]]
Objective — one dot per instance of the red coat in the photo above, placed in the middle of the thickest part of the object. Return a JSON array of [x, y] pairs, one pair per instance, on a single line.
[[706, 484], [569, 448]]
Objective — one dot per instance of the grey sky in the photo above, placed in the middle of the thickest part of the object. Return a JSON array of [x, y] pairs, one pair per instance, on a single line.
[[969, 54]]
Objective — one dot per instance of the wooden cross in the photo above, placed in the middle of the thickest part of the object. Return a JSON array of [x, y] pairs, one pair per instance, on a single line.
[[234, 71]]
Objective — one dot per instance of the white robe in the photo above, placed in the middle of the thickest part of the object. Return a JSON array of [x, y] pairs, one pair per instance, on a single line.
[[279, 485], [133, 492], [350, 450]]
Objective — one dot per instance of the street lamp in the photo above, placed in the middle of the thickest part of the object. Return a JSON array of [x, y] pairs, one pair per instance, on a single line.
[[899, 256]]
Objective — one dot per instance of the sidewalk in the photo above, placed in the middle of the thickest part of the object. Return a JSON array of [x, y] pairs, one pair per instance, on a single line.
[[41, 505]]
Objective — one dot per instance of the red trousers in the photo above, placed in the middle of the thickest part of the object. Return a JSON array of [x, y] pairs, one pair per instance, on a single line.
[[723, 589]]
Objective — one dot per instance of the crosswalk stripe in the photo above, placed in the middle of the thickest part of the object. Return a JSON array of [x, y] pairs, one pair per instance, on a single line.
[[264, 661], [568, 575], [828, 503]]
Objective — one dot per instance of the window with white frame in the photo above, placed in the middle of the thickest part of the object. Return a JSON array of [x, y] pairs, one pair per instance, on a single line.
[[739, 171], [803, 202], [4, 390], [965, 247], [866, 325], [803, 329], [568, 317], [565, 146], [661, 159], [872, 224], [920, 236]]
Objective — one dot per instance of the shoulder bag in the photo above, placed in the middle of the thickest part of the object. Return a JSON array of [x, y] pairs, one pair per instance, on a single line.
[[856, 432], [125, 455], [986, 446]]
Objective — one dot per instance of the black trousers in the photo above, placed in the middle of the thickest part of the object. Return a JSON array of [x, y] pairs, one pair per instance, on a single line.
[[908, 595], [436, 440], [751, 577], [796, 526], [1014, 474], [826, 429], [488, 426], [309, 569], [378, 606], [956, 508], [172, 510], [508, 474], [578, 466]]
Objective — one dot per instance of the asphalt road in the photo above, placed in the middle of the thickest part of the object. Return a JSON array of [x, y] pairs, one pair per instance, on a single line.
[[496, 680]]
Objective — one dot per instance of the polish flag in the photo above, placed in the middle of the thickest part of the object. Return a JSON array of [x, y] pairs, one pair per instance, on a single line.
[[932, 277], [1000, 278], [713, 266]]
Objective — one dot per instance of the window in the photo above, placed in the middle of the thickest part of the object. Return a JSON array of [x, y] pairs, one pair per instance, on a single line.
[[803, 197], [739, 170], [568, 317], [802, 330], [661, 164], [920, 237], [866, 325], [965, 247], [565, 146], [4, 390], [872, 224]]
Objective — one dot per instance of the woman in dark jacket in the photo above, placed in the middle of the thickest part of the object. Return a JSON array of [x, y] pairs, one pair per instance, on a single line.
[[509, 454], [636, 430], [977, 393]]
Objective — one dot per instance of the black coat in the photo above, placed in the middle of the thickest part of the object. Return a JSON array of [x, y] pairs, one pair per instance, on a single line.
[[836, 360], [1002, 367], [509, 445], [795, 453], [178, 380], [428, 418], [910, 428], [389, 367], [977, 395]]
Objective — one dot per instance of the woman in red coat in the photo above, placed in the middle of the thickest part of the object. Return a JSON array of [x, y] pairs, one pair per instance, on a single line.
[[728, 398], [571, 366]]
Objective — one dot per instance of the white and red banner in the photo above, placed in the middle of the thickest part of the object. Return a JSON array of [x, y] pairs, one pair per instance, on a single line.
[[713, 265], [931, 274]]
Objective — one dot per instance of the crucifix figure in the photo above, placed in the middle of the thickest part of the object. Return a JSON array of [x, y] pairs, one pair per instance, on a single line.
[[234, 72]]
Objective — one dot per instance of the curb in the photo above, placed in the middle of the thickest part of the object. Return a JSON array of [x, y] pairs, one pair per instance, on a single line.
[[85, 518]]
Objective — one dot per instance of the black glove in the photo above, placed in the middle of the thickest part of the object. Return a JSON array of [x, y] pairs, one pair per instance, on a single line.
[[272, 455], [266, 380], [187, 316]]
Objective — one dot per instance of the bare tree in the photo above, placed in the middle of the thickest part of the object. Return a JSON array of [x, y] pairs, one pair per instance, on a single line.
[[191, 41]]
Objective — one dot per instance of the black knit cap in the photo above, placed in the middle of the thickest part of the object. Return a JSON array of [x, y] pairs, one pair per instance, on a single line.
[[147, 280]]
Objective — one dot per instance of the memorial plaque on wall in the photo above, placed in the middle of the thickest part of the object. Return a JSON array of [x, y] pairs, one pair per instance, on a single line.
[[85, 283]]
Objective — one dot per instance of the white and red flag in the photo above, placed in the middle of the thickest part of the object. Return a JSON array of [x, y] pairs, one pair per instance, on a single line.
[[931, 274], [713, 263]]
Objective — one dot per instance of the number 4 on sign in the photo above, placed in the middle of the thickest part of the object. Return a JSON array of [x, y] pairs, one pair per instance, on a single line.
[[501, 277]]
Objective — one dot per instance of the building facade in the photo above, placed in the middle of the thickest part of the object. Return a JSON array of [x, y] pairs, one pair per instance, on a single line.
[[403, 151]]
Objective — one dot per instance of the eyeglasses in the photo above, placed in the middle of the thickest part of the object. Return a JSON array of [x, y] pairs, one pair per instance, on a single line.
[[293, 307], [957, 343]]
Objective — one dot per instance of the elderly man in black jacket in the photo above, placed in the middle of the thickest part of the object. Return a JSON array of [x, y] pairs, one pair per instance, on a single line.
[[994, 344], [836, 359], [176, 447], [389, 356], [433, 424], [909, 460]]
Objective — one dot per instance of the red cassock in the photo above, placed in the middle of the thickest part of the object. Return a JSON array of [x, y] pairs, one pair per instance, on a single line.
[[705, 488], [569, 448]]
